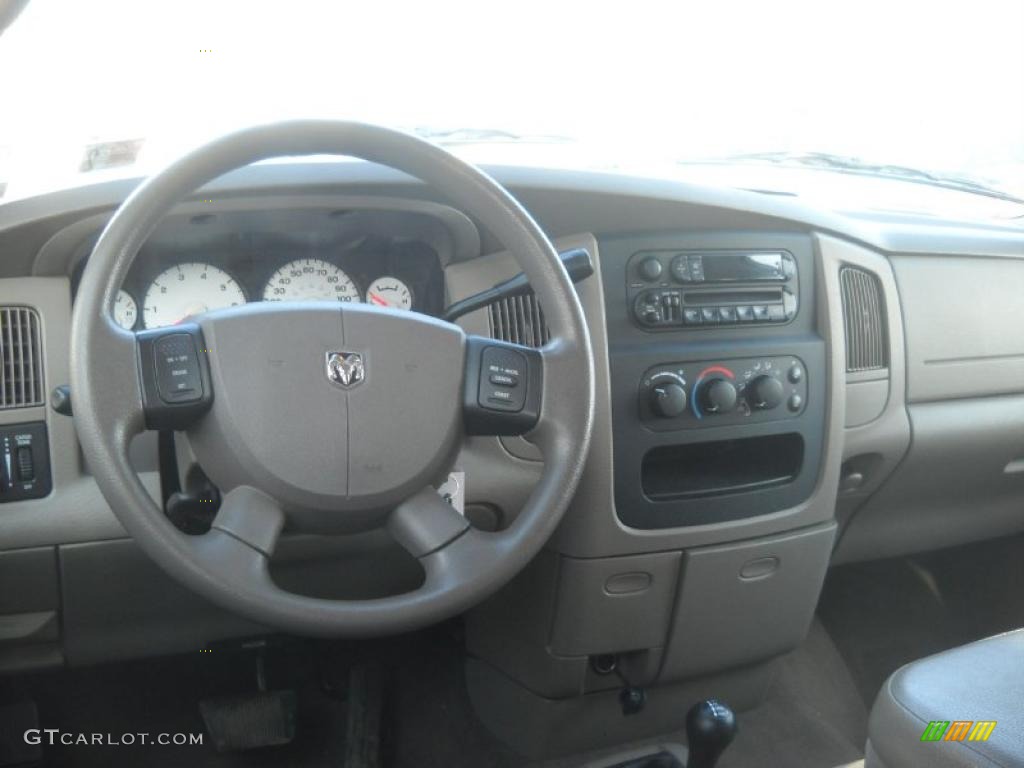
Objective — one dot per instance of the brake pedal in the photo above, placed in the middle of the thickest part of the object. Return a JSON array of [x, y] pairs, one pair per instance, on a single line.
[[250, 721]]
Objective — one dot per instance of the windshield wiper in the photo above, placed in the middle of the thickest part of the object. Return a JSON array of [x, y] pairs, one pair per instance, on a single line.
[[854, 165]]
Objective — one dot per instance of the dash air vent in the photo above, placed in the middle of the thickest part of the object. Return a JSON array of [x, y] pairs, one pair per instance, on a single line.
[[21, 374], [519, 320], [864, 319]]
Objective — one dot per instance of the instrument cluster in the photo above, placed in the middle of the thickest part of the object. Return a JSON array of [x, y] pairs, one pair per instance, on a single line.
[[167, 286]]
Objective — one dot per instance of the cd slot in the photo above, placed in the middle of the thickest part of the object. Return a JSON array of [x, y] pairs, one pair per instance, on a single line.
[[692, 298]]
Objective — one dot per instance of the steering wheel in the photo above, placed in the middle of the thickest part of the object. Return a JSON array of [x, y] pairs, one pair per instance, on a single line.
[[330, 418]]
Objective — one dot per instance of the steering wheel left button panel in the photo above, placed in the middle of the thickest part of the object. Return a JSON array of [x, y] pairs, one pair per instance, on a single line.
[[175, 374]]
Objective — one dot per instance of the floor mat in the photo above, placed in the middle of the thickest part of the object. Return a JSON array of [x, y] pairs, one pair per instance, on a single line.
[[813, 717], [884, 614], [160, 696]]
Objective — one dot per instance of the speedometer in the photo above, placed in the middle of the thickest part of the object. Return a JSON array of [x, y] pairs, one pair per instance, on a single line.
[[186, 290], [310, 280]]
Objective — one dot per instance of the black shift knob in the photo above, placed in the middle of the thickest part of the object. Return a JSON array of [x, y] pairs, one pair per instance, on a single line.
[[710, 728]]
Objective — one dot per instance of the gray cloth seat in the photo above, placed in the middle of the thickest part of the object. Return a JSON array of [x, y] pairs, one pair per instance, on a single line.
[[977, 683]]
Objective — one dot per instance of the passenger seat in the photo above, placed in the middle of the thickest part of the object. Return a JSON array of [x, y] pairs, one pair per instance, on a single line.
[[962, 707]]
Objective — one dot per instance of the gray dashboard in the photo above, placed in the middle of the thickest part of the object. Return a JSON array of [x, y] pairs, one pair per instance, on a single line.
[[925, 452]]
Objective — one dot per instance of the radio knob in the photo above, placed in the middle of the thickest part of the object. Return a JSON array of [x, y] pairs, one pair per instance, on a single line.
[[668, 400], [717, 395], [649, 269], [765, 393]]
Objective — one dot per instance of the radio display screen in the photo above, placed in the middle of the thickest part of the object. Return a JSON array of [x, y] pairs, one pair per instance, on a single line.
[[723, 267]]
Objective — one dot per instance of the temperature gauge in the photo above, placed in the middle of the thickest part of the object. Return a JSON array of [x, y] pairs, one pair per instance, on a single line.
[[126, 311], [389, 292]]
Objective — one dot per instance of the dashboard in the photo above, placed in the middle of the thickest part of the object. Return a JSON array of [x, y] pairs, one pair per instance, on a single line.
[[779, 389], [197, 264]]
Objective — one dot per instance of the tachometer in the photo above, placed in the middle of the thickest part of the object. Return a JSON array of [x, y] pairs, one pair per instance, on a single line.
[[126, 311], [389, 291], [310, 280], [186, 290]]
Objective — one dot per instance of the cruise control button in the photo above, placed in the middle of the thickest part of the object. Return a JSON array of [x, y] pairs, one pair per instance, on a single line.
[[503, 380], [499, 366], [177, 369]]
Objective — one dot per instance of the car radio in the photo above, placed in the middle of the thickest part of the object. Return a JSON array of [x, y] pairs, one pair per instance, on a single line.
[[670, 289]]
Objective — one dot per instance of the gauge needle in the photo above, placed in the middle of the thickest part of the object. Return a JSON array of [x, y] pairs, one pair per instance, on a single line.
[[378, 300]]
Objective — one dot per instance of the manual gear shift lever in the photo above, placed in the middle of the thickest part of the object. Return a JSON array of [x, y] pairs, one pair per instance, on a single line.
[[710, 728]]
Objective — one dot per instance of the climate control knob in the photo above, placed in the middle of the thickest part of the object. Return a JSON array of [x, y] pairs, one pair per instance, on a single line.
[[765, 392], [717, 395], [668, 400]]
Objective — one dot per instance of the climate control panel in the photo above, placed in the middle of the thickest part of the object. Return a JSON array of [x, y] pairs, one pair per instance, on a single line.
[[744, 391]]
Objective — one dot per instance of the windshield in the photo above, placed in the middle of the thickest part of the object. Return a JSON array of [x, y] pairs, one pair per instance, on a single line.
[[104, 86]]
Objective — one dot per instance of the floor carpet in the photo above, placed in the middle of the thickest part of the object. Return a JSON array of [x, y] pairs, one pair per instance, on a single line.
[[886, 613], [874, 617], [812, 718]]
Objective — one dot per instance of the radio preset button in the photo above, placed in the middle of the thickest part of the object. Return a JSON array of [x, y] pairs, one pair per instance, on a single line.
[[760, 312], [692, 316], [709, 315], [776, 313], [744, 314], [727, 314]]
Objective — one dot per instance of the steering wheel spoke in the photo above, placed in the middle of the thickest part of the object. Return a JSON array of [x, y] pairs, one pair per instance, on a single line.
[[503, 388], [426, 523], [252, 517]]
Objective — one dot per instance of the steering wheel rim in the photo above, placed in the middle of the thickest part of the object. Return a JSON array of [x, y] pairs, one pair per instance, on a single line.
[[229, 565]]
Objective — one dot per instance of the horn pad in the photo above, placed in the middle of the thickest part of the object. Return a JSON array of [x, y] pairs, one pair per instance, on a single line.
[[330, 408]]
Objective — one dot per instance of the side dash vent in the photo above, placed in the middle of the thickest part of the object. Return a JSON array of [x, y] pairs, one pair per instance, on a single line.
[[21, 372], [519, 320], [864, 320]]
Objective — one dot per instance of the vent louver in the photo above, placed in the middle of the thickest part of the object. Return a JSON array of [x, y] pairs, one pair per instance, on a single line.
[[21, 374], [518, 319], [864, 319]]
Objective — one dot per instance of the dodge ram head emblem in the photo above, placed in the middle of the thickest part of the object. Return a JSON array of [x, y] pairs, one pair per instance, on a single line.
[[345, 369]]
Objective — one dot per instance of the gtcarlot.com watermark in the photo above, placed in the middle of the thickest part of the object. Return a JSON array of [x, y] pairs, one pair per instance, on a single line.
[[53, 736]]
